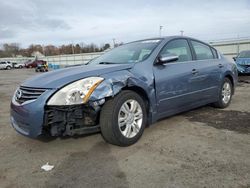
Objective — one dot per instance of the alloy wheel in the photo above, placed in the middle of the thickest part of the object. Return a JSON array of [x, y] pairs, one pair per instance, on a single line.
[[226, 92], [130, 118]]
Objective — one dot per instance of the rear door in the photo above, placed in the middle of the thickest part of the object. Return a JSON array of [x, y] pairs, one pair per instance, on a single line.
[[206, 80]]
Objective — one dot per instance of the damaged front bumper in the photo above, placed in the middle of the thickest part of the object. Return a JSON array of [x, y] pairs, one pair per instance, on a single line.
[[27, 117], [71, 120], [34, 118]]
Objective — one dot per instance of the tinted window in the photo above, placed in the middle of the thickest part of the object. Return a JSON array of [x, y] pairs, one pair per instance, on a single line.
[[202, 51], [178, 47]]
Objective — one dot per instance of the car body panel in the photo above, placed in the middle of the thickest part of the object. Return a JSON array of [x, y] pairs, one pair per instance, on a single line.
[[207, 80], [27, 118], [169, 88]]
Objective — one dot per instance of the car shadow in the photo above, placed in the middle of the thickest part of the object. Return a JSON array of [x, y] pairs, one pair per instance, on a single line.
[[47, 138], [96, 167]]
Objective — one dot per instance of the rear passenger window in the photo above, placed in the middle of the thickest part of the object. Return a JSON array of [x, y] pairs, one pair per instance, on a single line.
[[178, 47], [202, 51]]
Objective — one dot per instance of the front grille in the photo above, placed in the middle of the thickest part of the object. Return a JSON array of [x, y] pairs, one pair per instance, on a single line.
[[24, 94]]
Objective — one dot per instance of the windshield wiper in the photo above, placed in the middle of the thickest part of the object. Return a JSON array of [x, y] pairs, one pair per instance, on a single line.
[[106, 63]]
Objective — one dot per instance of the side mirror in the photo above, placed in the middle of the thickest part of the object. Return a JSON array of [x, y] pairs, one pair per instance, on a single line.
[[166, 59], [234, 58]]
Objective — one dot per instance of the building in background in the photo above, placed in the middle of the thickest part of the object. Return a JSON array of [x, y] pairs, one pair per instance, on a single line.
[[231, 47]]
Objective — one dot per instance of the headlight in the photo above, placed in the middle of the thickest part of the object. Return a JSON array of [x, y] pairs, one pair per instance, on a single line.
[[75, 93]]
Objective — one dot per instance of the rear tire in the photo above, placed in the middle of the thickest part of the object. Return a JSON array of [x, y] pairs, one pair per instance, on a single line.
[[225, 94], [123, 119], [8, 67]]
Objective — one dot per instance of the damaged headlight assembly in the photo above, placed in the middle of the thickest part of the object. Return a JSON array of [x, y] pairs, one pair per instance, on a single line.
[[75, 93]]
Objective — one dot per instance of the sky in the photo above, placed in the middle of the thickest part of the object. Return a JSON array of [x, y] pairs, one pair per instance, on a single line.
[[79, 21]]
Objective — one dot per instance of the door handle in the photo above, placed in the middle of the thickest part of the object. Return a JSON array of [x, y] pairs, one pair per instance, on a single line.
[[194, 71], [220, 65]]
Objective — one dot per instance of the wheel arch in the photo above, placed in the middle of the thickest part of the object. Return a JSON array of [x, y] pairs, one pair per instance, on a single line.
[[230, 77], [142, 93], [116, 82]]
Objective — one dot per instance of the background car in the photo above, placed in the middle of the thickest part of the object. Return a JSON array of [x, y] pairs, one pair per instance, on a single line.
[[243, 62], [42, 68], [18, 65], [33, 64], [5, 65]]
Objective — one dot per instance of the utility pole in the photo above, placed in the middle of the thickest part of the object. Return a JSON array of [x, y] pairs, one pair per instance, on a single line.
[[160, 28], [114, 42], [181, 32], [238, 45], [72, 45], [43, 50], [73, 52]]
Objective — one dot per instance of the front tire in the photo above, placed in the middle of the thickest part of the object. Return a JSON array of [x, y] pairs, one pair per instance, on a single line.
[[123, 119], [225, 94]]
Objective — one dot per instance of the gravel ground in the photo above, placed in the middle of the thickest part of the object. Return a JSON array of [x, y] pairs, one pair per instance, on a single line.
[[205, 147]]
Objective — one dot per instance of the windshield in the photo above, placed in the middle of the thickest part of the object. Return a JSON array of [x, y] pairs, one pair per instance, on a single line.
[[128, 53], [244, 54]]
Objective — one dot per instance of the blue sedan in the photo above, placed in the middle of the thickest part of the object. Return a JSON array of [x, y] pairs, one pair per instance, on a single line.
[[125, 89], [243, 62]]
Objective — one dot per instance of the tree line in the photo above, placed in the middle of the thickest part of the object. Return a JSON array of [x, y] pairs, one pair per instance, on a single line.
[[14, 49]]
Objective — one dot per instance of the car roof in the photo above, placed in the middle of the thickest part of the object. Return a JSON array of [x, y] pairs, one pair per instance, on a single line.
[[167, 38]]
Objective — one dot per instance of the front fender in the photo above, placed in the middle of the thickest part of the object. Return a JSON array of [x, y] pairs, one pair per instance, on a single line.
[[116, 81]]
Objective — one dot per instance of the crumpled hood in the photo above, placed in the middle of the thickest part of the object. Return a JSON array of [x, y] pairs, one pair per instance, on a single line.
[[243, 61], [59, 78]]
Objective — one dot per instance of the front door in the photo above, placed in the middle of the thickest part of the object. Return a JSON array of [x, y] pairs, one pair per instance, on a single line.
[[172, 80]]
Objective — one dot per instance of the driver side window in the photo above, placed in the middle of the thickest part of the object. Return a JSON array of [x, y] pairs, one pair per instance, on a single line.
[[178, 47]]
